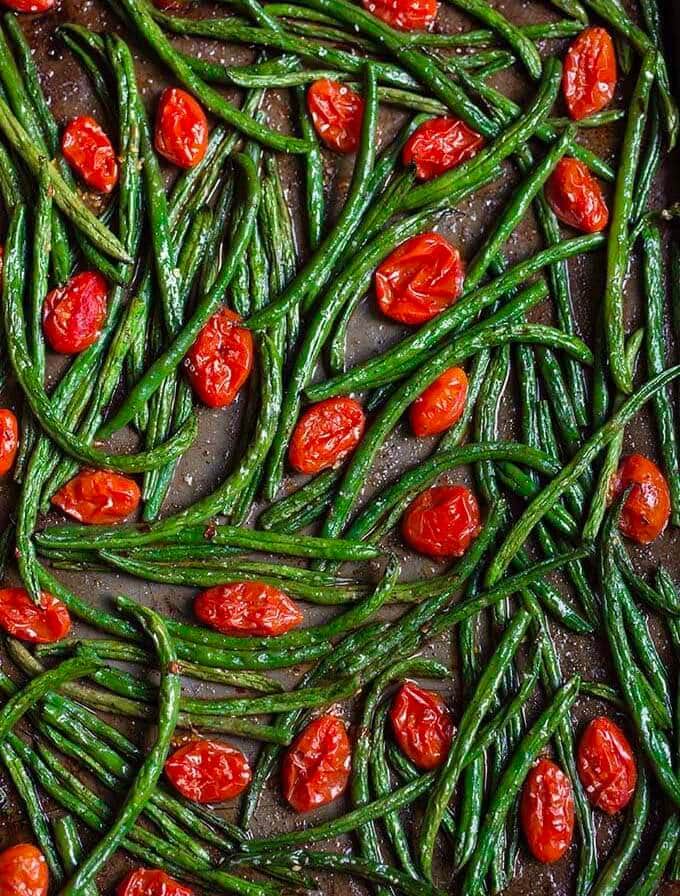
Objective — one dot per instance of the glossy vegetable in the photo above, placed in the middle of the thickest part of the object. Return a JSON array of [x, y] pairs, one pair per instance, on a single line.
[[547, 811], [421, 725], [589, 76], [9, 440], [315, 769], [23, 871], [208, 771], [337, 113], [29, 6], [405, 15], [576, 197], [73, 314], [440, 144], [40, 623], [181, 134], [326, 434], [442, 521], [247, 608], [441, 404], [151, 882], [220, 360], [646, 510], [98, 497], [90, 154], [606, 765]]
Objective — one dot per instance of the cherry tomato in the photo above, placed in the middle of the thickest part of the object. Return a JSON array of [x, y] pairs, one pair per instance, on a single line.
[[576, 196], [315, 769], [74, 313], [421, 724], [337, 113], [442, 521], [23, 871], [589, 76], [405, 15], [220, 360], [645, 514], [441, 404], [325, 434], [440, 144], [90, 153], [9, 439], [606, 766], [419, 279], [39, 624], [208, 771], [98, 496], [151, 882], [29, 6], [547, 811], [181, 128], [247, 608]]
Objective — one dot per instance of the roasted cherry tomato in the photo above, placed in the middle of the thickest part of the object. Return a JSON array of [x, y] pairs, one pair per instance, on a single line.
[[440, 144], [576, 196], [29, 6], [442, 521], [606, 766], [247, 608], [98, 496], [645, 514], [405, 15], [547, 811], [90, 153], [419, 279], [337, 113], [181, 128], [208, 771], [315, 770], [441, 404], [421, 724], [151, 882], [23, 871], [74, 314], [9, 440], [325, 434], [220, 360], [39, 624], [589, 76]]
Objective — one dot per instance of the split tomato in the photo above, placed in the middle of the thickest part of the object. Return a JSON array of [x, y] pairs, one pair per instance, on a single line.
[[90, 153], [208, 771], [181, 134], [315, 770], [589, 76], [337, 113], [440, 144], [41, 623], [9, 439], [404, 15], [325, 434], [220, 360], [606, 765], [151, 882], [23, 871], [247, 608], [74, 314], [576, 196], [441, 404], [422, 725], [547, 811], [647, 508], [442, 521], [98, 496]]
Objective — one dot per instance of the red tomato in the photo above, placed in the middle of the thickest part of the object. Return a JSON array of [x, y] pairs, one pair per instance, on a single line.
[[442, 521], [337, 113], [405, 15], [422, 725], [74, 313], [325, 434], [440, 144], [441, 404], [645, 514], [547, 811], [9, 440], [220, 360], [247, 608], [29, 6], [606, 766], [589, 76], [21, 618], [98, 496], [23, 871], [90, 153], [315, 769], [151, 882], [208, 771], [181, 128], [419, 279], [576, 196]]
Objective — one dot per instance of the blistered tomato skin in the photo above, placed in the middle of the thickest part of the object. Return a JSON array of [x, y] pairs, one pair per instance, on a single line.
[[404, 15], [547, 811], [73, 314], [98, 497], [151, 882], [421, 725], [326, 434], [439, 145], [23, 871], [9, 440], [576, 196], [647, 509], [208, 771], [181, 134], [90, 154], [219, 362], [337, 113], [589, 74], [442, 521], [247, 608], [316, 767], [441, 404], [38, 624], [606, 765], [419, 280]]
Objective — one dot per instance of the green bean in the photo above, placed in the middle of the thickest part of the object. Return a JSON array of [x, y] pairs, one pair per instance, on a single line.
[[69, 845], [650, 877]]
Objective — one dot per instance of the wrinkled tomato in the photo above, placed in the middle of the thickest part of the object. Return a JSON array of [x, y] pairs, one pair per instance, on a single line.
[[547, 811], [90, 153], [337, 113], [41, 623], [208, 771], [421, 725], [29, 6], [220, 360], [151, 882], [647, 508], [9, 439], [315, 769], [405, 15], [98, 496], [576, 196], [440, 144], [606, 765], [73, 314], [441, 404], [247, 608], [589, 76], [181, 134], [419, 279], [325, 434], [23, 871], [442, 521]]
